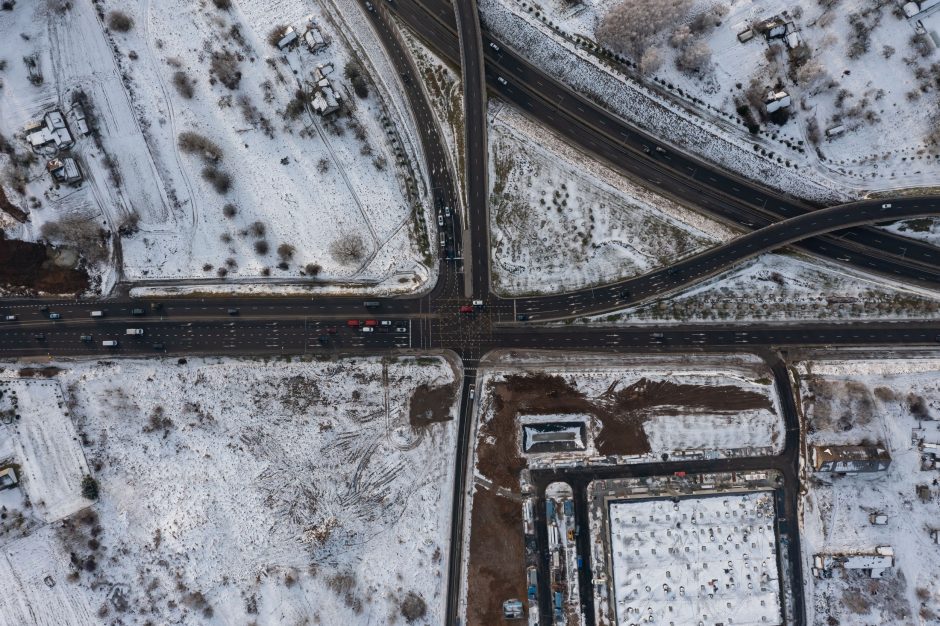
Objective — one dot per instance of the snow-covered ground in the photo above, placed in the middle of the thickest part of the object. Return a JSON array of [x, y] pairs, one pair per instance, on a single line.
[[785, 287], [315, 185], [238, 491], [689, 560], [562, 221], [881, 92], [875, 401]]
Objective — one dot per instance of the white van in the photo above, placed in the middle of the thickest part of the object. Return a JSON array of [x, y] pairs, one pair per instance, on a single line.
[[134, 331], [109, 343], [97, 313]]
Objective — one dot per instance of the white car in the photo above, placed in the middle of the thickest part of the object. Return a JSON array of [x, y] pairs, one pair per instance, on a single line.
[[494, 46], [10, 318], [473, 391], [368, 329], [887, 205], [501, 80], [440, 220]]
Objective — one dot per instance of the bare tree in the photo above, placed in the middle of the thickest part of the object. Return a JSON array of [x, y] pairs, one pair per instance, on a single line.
[[631, 26], [348, 249]]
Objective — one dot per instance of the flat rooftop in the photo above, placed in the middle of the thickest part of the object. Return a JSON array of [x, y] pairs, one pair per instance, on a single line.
[[695, 560]]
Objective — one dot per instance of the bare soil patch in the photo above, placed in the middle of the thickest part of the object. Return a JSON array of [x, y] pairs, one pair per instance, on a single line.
[[497, 557], [431, 404], [11, 209], [39, 372], [27, 266], [623, 412]]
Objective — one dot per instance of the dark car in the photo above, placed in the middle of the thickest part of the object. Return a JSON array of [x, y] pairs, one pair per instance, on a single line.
[[522, 317], [86, 338], [233, 311], [138, 311], [39, 337], [323, 339], [158, 346], [624, 294]]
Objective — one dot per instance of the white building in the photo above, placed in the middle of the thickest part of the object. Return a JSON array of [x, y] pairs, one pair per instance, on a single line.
[[51, 131], [64, 170], [314, 38], [777, 100], [288, 39]]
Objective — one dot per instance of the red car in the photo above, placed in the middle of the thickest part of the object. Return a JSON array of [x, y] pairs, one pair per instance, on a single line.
[[353, 323], [372, 323], [466, 309]]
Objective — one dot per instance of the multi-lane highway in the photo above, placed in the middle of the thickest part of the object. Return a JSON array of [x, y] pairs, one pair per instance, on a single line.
[[739, 202]]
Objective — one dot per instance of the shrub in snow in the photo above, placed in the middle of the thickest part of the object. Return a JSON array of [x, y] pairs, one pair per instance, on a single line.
[[194, 143], [221, 181], [225, 67], [89, 488], [183, 84], [120, 21], [348, 249], [413, 607], [262, 247]]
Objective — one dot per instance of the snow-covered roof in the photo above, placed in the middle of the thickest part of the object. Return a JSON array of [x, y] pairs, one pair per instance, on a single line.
[[879, 561], [290, 36], [850, 458]]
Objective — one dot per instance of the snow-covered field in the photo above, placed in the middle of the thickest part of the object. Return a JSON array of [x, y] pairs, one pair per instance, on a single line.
[[562, 221], [45, 445], [245, 491], [330, 190], [859, 68], [786, 287], [689, 560], [875, 401]]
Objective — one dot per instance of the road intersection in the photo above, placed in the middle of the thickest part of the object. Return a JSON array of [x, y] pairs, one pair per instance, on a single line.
[[265, 325]]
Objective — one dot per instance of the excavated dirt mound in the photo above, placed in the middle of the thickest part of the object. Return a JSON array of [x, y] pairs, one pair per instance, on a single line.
[[26, 266], [431, 404]]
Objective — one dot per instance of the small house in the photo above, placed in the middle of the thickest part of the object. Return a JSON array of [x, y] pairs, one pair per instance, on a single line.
[[78, 119], [322, 71], [326, 99], [51, 131], [772, 28], [850, 459], [8, 478], [793, 39], [288, 39], [64, 170], [776, 100], [835, 131], [746, 35], [314, 39]]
